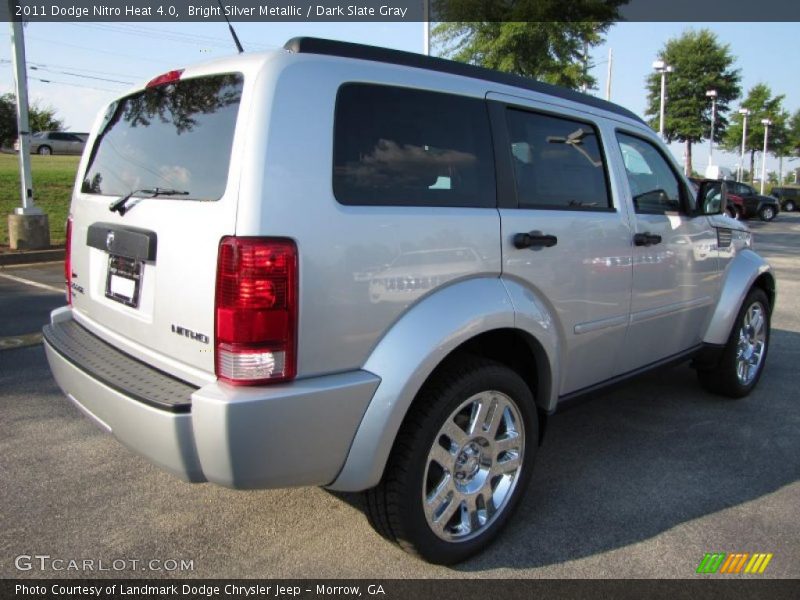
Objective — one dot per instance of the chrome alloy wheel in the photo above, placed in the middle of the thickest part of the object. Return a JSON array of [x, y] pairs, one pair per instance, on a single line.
[[752, 343], [473, 467]]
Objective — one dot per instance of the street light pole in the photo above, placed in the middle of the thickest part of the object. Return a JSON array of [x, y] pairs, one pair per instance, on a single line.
[[766, 123], [745, 113], [661, 67], [28, 226], [21, 91], [713, 95], [426, 31]]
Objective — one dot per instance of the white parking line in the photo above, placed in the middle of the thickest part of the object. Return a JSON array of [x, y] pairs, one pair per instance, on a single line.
[[43, 286]]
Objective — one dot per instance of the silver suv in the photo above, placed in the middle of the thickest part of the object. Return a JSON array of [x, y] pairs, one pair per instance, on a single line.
[[344, 266]]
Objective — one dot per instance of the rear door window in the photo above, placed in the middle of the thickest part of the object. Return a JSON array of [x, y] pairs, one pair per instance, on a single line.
[[407, 147], [557, 162], [176, 136]]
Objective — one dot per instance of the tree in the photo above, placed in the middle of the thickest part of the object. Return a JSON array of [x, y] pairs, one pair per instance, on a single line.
[[789, 145], [762, 105], [41, 118], [547, 40], [700, 63]]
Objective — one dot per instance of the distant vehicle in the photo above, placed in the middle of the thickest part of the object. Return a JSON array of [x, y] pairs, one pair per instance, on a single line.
[[789, 197], [735, 205], [745, 203], [56, 142], [765, 208]]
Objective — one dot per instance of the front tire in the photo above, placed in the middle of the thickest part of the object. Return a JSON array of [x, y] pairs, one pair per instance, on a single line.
[[767, 213], [45, 150], [789, 206], [460, 464], [745, 353]]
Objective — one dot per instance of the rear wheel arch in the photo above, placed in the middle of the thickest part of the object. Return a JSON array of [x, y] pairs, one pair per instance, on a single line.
[[518, 350], [514, 348]]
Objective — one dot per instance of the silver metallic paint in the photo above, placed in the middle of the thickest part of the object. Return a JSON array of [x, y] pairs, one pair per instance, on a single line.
[[740, 273]]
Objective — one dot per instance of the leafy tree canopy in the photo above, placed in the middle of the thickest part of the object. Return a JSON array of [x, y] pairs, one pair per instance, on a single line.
[[42, 118], [542, 39], [701, 63], [762, 105]]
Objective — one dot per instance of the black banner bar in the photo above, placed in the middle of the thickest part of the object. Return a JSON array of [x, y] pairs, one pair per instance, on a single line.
[[707, 587], [396, 10]]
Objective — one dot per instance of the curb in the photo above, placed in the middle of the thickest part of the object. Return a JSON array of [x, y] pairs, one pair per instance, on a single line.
[[31, 256]]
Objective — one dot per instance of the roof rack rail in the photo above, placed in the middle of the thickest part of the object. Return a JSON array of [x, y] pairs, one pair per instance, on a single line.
[[312, 45]]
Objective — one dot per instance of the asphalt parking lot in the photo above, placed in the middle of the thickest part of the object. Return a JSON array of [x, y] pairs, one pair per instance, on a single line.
[[641, 482]]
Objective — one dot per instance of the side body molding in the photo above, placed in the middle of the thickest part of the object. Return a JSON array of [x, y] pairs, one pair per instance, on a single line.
[[408, 354], [743, 270]]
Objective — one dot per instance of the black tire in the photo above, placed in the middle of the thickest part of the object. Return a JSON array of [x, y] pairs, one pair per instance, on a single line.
[[44, 150], [766, 213], [789, 206], [723, 379], [395, 507]]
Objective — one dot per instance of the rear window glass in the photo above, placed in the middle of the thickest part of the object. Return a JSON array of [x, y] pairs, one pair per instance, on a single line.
[[406, 147], [176, 136]]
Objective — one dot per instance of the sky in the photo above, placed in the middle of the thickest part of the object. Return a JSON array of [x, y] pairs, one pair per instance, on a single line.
[[89, 64]]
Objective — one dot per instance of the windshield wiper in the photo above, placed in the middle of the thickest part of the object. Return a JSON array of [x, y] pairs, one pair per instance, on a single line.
[[120, 205]]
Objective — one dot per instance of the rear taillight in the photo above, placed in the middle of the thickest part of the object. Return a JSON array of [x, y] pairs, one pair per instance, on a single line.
[[256, 310], [68, 261]]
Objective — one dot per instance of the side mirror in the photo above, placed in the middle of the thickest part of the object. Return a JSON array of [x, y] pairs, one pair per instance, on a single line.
[[712, 198]]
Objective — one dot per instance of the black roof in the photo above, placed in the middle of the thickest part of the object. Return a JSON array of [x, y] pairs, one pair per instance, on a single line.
[[311, 45]]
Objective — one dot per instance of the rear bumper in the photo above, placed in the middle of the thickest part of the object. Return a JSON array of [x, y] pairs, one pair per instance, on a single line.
[[291, 434]]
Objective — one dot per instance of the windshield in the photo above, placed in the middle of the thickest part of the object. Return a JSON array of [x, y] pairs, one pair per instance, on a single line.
[[175, 136]]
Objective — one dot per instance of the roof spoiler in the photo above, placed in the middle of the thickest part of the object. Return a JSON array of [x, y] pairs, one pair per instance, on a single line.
[[312, 45]]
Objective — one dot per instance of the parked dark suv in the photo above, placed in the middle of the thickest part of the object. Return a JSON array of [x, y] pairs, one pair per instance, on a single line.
[[789, 197], [753, 203]]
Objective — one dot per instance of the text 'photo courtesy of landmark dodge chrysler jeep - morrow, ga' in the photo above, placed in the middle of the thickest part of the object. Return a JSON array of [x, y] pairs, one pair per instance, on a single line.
[[374, 271]]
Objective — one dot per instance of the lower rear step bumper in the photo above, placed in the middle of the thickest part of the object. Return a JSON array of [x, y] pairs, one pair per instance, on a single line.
[[297, 433]]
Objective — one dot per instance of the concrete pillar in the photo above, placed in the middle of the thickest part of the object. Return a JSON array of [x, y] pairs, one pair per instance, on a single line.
[[28, 232]]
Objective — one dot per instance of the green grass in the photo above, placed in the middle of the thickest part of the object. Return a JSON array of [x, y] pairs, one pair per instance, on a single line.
[[53, 178]]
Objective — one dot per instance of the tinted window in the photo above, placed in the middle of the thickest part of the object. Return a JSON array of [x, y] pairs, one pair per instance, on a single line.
[[404, 147], [175, 136], [654, 186], [557, 163], [740, 189]]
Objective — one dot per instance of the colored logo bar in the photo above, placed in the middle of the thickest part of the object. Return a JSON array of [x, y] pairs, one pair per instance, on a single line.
[[734, 562]]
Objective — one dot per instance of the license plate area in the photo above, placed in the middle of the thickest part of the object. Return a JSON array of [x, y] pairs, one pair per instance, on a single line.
[[124, 280]]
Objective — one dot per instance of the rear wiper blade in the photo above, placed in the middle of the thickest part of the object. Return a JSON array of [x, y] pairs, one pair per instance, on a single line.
[[120, 205]]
